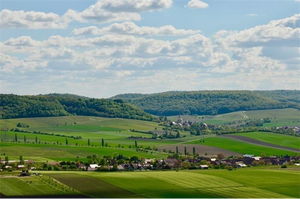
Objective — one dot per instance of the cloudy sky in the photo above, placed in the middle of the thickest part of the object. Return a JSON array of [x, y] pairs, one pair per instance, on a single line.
[[107, 47]]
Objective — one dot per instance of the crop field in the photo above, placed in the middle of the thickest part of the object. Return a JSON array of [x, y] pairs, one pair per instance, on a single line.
[[241, 147], [263, 182], [33, 186], [278, 139]]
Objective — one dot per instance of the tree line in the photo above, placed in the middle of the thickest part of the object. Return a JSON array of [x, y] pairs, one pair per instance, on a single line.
[[15, 106], [212, 102]]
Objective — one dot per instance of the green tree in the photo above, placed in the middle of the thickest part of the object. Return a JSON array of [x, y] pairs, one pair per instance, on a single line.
[[176, 149], [67, 141], [6, 160], [24, 139], [89, 143], [135, 144], [178, 135], [16, 138], [102, 142], [185, 151], [194, 151], [36, 139]]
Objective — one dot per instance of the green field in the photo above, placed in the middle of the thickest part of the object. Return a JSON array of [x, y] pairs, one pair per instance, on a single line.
[[279, 117], [278, 139], [241, 147], [34, 186], [262, 182]]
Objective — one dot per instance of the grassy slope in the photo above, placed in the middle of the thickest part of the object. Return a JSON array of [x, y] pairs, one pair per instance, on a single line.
[[279, 117], [31, 186], [278, 139], [249, 182], [241, 147]]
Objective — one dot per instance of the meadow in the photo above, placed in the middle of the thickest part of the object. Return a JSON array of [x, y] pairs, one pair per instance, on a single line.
[[241, 147], [278, 139], [279, 117], [116, 133]]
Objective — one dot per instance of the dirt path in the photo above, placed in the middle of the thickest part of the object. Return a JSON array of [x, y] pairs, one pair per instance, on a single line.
[[257, 142]]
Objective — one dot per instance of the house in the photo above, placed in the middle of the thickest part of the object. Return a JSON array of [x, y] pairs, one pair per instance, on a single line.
[[21, 166], [7, 167], [203, 167], [257, 158], [120, 168], [241, 165], [172, 162], [93, 166], [248, 156], [148, 161]]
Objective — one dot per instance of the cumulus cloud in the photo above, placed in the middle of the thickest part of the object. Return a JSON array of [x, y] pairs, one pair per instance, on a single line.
[[31, 20], [261, 57], [104, 11], [196, 4], [131, 28], [283, 32]]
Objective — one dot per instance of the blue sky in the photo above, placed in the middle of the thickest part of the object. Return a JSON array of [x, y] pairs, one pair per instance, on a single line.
[[107, 47]]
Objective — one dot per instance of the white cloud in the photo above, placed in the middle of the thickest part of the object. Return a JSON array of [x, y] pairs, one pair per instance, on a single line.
[[252, 15], [31, 20], [105, 11], [283, 32], [131, 28], [196, 4]]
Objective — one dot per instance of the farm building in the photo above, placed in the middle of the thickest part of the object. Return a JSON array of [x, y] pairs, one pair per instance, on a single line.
[[204, 167]]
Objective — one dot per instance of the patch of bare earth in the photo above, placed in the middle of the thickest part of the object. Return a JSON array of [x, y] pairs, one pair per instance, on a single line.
[[202, 150], [257, 142]]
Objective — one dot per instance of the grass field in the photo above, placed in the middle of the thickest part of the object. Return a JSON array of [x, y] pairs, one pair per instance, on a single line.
[[241, 147], [278, 139], [262, 182], [279, 117], [34, 186]]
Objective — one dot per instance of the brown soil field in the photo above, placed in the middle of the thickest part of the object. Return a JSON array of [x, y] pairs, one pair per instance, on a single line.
[[257, 142], [200, 149]]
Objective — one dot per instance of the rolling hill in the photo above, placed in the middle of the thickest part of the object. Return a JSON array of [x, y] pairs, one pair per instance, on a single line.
[[211, 102]]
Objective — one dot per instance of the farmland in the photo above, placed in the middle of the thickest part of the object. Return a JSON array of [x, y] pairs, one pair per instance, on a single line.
[[279, 117], [71, 138], [248, 182], [241, 147], [281, 140]]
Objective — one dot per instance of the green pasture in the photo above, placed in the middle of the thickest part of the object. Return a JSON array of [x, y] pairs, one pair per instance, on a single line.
[[241, 147], [278, 139], [279, 117], [43, 152], [33, 186], [262, 182]]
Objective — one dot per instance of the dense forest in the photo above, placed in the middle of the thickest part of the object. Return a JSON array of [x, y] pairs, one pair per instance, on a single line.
[[14, 106], [211, 102]]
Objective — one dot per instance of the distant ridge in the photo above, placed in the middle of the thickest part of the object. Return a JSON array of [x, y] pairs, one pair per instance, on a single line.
[[211, 102], [16, 106]]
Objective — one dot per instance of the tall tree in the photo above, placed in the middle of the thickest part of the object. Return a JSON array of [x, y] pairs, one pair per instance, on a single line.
[[102, 142], [185, 152], [135, 144], [176, 149], [67, 141], [89, 143], [194, 151], [36, 139], [16, 138], [24, 139]]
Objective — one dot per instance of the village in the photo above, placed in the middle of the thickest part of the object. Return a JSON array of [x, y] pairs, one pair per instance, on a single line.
[[121, 163]]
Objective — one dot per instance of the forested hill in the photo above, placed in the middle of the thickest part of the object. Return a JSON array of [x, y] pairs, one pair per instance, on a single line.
[[212, 102], [14, 106]]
